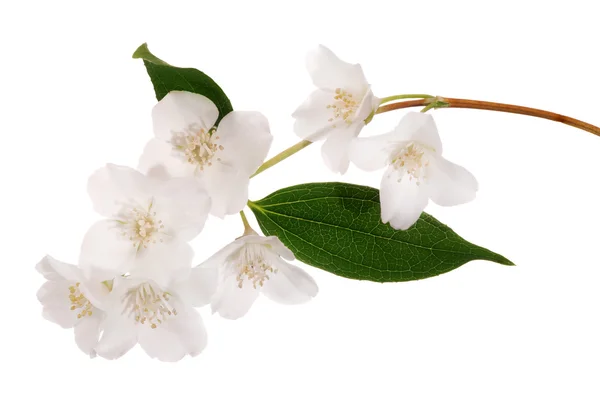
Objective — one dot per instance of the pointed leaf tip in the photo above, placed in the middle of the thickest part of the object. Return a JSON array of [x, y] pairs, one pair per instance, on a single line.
[[140, 51], [144, 53]]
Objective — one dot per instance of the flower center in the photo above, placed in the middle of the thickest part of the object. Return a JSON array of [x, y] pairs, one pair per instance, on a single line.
[[197, 145], [253, 266], [412, 160], [141, 226], [79, 301], [344, 106], [148, 306]]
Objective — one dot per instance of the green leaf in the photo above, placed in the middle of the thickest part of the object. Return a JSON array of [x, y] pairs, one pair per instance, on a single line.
[[166, 78], [337, 227]]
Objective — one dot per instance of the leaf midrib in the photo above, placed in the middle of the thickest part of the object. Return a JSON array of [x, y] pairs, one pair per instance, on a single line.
[[265, 211], [341, 257]]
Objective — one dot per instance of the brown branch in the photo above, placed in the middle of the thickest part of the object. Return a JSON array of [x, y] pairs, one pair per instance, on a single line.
[[497, 107]]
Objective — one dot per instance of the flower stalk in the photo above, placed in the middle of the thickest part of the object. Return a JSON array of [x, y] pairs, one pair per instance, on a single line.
[[281, 156], [247, 228], [405, 96]]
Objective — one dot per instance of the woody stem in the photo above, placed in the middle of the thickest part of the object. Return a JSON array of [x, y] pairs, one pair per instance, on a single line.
[[447, 102]]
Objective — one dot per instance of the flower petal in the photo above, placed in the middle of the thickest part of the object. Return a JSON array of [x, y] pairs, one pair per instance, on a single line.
[[178, 110], [164, 262], [369, 104], [198, 288], [290, 285], [227, 188], [118, 337], [219, 257], [232, 302], [109, 186], [421, 128], [94, 288], [53, 269], [54, 297], [181, 335], [372, 153], [105, 248], [450, 184], [336, 149], [185, 205], [87, 333], [246, 140], [402, 199], [159, 161], [313, 117], [272, 241], [330, 72]]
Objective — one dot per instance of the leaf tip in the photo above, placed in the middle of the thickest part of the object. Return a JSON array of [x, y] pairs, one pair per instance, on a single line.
[[504, 261], [141, 51]]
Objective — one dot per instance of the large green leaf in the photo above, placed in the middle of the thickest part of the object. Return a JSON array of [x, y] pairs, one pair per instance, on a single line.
[[166, 78], [337, 227]]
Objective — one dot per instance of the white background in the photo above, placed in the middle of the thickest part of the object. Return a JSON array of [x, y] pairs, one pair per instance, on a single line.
[[483, 338]]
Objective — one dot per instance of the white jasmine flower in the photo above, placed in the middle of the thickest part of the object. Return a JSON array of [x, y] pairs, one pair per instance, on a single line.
[[337, 110], [158, 316], [71, 301], [253, 264], [223, 158], [416, 170], [149, 221]]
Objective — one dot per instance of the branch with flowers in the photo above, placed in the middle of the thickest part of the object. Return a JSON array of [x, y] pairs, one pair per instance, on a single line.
[[134, 282]]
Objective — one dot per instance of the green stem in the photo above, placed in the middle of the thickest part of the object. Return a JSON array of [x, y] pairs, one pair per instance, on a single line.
[[245, 221], [281, 156], [428, 107], [405, 96]]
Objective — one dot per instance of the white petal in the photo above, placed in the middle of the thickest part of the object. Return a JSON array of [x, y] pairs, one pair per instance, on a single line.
[[109, 186], [87, 333], [419, 127], [329, 72], [105, 248], [401, 201], [336, 149], [163, 262], [94, 288], [231, 301], [312, 117], [198, 288], [54, 297], [183, 334], [246, 139], [184, 206], [219, 258], [273, 242], [118, 337], [227, 188], [372, 153], [450, 184], [290, 285], [178, 110], [159, 161], [369, 104], [279, 247], [53, 269]]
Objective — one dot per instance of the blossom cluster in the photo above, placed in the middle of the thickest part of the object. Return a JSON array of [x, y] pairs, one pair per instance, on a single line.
[[134, 282]]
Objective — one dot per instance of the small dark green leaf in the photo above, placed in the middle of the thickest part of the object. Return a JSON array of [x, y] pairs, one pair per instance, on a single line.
[[337, 227], [166, 78]]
